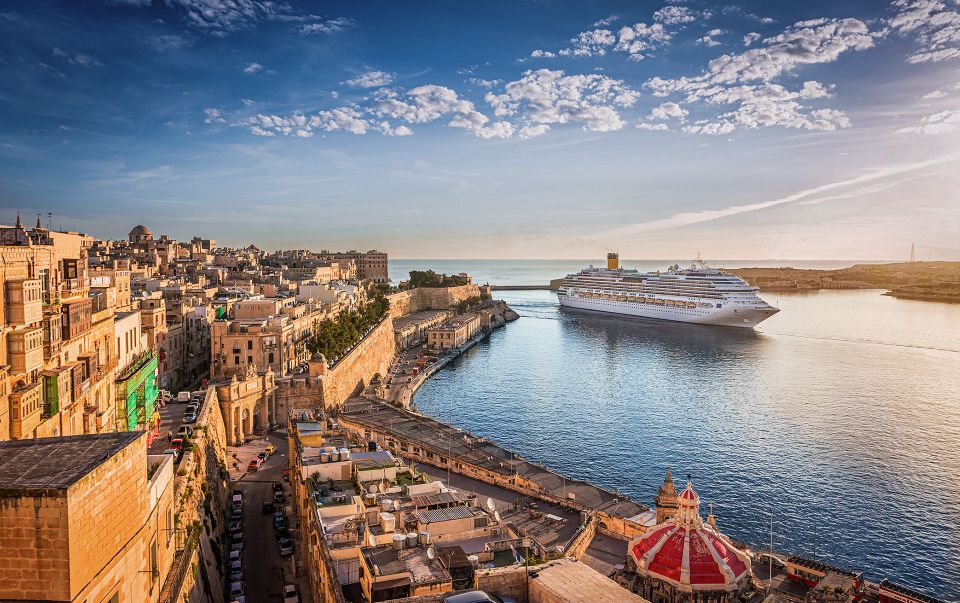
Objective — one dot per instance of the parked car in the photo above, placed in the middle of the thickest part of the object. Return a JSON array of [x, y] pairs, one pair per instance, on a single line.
[[183, 397], [280, 523], [192, 408], [185, 431], [177, 443], [174, 452], [254, 465], [234, 556], [283, 532], [236, 545], [279, 498], [477, 596], [270, 449], [165, 396], [290, 594], [236, 589], [277, 487], [286, 547], [263, 456], [235, 525], [286, 475], [190, 418], [267, 507], [236, 571], [198, 395]]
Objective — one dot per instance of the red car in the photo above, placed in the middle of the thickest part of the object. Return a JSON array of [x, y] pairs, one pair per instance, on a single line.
[[254, 465], [286, 475]]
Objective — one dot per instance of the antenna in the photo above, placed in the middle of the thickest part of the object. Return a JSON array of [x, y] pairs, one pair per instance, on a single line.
[[431, 553], [496, 516]]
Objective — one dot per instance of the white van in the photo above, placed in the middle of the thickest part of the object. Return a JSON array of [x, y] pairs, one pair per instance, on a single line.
[[183, 397]]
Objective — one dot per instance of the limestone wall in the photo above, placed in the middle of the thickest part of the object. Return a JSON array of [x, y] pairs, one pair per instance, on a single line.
[[201, 494], [429, 298], [353, 372]]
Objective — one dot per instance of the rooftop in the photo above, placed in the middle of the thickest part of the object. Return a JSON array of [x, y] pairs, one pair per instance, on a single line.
[[57, 462]]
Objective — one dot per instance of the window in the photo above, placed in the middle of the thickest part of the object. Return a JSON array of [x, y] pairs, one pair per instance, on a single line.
[[270, 358], [249, 344], [249, 359], [154, 568], [236, 360]]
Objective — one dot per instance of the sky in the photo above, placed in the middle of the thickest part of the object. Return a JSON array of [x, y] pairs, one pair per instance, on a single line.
[[542, 129]]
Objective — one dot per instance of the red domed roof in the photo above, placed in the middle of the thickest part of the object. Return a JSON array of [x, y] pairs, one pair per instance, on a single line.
[[689, 554]]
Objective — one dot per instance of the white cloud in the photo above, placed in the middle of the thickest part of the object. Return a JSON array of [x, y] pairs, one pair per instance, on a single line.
[[223, 17], [533, 130], [935, 94], [750, 38], [708, 38], [247, 102], [668, 110], [944, 122], [935, 27], [253, 68], [371, 79], [674, 15], [327, 26], [488, 84], [590, 43], [543, 54], [213, 116], [547, 96], [83, 60], [745, 79], [428, 103], [638, 39], [606, 21], [653, 127]]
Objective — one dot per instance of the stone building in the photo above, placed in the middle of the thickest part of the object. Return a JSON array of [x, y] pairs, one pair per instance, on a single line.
[[248, 404], [85, 518], [453, 333], [372, 265]]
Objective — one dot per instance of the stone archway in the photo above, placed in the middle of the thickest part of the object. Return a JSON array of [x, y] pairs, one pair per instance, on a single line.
[[237, 431], [246, 421], [258, 426]]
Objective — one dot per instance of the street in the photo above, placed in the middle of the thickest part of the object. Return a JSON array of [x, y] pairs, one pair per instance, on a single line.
[[265, 571]]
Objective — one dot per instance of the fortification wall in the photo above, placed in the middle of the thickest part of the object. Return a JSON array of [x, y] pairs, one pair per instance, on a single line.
[[374, 354], [200, 492], [429, 298]]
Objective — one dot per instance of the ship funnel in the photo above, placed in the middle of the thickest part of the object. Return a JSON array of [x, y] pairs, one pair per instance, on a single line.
[[613, 261]]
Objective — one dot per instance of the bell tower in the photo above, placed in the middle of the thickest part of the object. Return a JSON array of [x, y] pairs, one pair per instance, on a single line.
[[666, 501]]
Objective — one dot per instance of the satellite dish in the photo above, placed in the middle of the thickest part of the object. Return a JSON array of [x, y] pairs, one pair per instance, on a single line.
[[490, 504], [496, 516], [371, 540], [372, 489], [396, 505], [431, 554]]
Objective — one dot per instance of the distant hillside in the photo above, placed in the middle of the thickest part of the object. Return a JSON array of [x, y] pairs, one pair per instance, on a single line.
[[937, 281]]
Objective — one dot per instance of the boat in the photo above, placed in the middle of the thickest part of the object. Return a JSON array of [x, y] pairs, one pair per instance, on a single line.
[[698, 294]]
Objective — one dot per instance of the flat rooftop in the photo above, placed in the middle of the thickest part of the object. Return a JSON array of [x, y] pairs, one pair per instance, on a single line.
[[59, 462], [466, 447], [574, 582]]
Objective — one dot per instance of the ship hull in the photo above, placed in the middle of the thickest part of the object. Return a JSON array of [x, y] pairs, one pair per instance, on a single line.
[[729, 316]]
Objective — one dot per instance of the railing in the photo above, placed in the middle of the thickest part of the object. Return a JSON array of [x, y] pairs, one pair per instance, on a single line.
[[170, 593]]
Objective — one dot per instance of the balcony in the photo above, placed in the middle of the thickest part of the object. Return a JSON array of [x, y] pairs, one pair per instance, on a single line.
[[25, 349]]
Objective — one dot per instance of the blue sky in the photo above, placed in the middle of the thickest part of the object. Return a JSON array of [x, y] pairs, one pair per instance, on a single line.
[[544, 129]]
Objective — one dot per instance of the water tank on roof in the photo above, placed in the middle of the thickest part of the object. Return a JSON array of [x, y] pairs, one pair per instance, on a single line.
[[474, 560], [324, 456], [334, 455], [412, 538], [386, 504], [398, 540], [344, 454], [388, 521], [370, 499], [424, 538]]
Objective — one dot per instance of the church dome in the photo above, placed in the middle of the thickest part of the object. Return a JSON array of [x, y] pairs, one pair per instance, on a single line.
[[688, 554], [140, 231]]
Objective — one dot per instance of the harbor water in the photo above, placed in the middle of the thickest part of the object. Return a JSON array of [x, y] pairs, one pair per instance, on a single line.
[[838, 418]]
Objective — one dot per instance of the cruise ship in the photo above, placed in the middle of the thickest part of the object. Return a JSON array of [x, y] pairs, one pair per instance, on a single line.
[[698, 294]]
